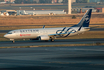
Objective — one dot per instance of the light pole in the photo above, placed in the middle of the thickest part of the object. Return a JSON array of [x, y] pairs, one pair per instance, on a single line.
[[69, 6]]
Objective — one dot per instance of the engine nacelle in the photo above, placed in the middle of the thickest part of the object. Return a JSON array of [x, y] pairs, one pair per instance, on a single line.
[[44, 37]]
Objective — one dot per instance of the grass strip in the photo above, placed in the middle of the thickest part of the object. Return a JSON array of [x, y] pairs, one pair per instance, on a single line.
[[68, 45], [64, 45]]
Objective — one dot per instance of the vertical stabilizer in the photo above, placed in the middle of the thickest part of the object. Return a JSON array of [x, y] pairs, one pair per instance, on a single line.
[[85, 20]]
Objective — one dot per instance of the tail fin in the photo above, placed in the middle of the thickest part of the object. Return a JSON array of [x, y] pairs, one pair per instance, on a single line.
[[85, 20]]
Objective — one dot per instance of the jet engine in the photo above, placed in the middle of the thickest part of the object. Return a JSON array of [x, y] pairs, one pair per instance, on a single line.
[[44, 37]]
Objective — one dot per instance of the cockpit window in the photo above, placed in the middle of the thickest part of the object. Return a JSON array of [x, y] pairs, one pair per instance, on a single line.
[[9, 33]]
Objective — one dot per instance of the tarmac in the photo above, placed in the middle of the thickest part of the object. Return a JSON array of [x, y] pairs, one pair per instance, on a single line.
[[56, 42], [53, 58]]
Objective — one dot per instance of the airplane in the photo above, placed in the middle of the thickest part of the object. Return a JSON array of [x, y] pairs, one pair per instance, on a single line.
[[46, 34]]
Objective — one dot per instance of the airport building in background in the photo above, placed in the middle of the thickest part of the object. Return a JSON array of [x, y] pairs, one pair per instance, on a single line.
[[88, 1], [73, 1], [54, 1], [37, 1], [9, 0], [40, 12], [60, 1], [94, 0]]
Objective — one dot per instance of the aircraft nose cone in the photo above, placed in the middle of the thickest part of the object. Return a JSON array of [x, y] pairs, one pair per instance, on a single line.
[[6, 36]]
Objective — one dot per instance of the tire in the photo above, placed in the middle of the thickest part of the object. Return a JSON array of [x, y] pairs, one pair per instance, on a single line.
[[13, 41], [39, 38], [52, 40]]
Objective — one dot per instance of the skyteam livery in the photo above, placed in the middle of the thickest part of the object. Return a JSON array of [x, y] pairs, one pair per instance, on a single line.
[[51, 33]]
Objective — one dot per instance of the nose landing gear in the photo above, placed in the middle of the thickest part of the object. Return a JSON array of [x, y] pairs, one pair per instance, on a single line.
[[13, 41]]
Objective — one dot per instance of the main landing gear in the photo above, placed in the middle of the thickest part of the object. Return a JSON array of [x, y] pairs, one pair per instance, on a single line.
[[13, 41], [52, 40]]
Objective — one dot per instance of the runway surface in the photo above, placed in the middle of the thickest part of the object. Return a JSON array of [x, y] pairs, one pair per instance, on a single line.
[[56, 42], [53, 58]]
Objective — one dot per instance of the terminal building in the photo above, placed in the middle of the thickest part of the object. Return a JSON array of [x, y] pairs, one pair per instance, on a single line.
[[94, 0], [40, 12]]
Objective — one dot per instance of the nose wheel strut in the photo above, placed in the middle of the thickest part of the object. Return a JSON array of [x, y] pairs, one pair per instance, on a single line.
[[13, 41]]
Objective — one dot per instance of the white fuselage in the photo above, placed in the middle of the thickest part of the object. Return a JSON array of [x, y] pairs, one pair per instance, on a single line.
[[35, 33]]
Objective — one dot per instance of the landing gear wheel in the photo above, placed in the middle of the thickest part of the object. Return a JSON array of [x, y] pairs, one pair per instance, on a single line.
[[52, 40], [13, 41], [39, 38]]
